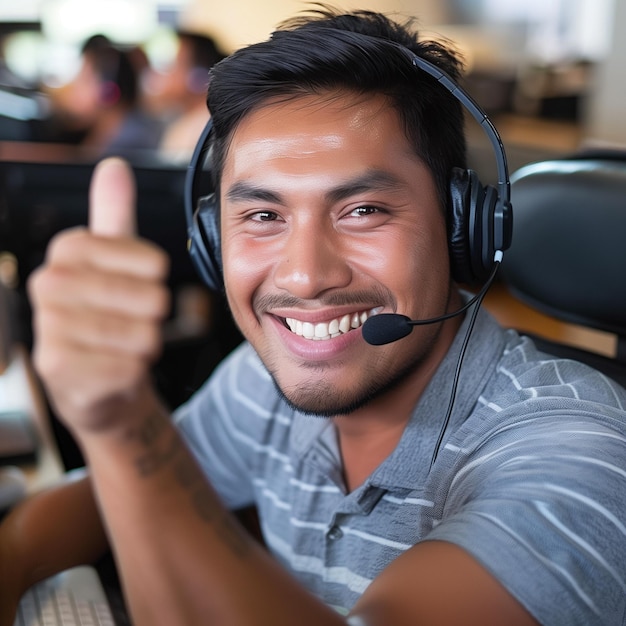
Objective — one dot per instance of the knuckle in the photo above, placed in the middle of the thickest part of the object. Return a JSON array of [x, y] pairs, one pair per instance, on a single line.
[[144, 340], [161, 262], [33, 284], [48, 363], [51, 322], [162, 301], [65, 242]]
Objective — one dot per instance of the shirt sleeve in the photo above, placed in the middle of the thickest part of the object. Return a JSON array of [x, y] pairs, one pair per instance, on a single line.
[[542, 506], [212, 423]]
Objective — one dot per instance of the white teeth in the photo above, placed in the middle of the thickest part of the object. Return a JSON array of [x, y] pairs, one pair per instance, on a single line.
[[329, 330], [344, 324], [321, 330]]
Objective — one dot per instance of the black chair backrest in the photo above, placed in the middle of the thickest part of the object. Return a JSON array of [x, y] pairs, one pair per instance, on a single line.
[[568, 257]]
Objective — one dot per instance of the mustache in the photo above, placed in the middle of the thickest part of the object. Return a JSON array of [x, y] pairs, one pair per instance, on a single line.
[[368, 297]]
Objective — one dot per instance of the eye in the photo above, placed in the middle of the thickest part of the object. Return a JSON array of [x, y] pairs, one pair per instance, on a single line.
[[264, 216], [365, 210]]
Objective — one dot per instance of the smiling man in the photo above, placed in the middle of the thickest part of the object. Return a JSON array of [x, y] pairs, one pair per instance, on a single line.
[[330, 217], [391, 490]]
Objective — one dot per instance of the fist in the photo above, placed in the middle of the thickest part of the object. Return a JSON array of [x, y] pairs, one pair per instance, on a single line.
[[99, 300]]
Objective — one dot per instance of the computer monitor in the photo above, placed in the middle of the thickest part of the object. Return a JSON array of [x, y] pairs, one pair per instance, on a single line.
[[39, 199]]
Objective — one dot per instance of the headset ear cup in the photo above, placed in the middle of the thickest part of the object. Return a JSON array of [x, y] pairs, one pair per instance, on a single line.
[[487, 250], [471, 227], [458, 227], [204, 242]]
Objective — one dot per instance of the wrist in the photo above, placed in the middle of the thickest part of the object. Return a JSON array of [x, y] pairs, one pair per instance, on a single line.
[[136, 433], [119, 418]]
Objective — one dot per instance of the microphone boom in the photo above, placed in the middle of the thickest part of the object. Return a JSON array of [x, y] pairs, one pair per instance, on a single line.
[[388, 327]]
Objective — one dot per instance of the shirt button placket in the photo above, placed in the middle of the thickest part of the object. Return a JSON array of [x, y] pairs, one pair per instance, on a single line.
[[334, 533]]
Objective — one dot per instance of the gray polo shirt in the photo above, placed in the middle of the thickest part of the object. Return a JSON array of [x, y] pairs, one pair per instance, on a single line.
[[530, 478]]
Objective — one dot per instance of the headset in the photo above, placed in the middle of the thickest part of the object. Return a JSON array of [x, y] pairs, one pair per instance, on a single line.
[[480, 219], [480, 228]]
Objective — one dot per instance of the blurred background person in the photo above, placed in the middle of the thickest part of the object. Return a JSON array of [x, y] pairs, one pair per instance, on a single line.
[[100, 108], [178, 94]]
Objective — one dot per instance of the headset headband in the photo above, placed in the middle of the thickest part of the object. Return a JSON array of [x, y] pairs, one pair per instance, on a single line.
[[493, 222], [470, 105]]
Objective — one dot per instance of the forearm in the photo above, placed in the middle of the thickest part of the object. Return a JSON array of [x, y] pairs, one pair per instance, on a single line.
[[182, 556], [54, 530]]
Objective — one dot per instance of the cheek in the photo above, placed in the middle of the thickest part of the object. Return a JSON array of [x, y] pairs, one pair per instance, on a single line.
[[410, 253], [245, 269], [418, 264]]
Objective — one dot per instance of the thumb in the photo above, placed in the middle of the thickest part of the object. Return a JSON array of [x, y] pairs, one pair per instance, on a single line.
[[112, 197]]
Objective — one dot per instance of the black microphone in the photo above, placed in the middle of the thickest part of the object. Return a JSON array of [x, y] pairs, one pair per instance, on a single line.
[[384, 328], [388, 327]]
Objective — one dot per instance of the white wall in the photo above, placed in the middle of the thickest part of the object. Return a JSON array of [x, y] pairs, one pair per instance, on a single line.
[[242, 22], [606, 115]]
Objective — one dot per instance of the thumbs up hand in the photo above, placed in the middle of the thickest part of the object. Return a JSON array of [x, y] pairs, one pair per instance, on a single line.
[[98, 303], [112, 200]]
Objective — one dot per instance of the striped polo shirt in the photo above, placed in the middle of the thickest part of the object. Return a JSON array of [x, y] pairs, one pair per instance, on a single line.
[[530, 478]]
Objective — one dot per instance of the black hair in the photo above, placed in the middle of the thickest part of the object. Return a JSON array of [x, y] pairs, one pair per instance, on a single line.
[[115, 67], [326, 51]]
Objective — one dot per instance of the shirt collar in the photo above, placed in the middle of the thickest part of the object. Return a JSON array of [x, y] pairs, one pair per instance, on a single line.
[[409, 464]]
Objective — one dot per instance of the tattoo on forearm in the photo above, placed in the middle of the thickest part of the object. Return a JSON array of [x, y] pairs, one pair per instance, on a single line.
[[161, 453], [154, 460], [151, 429]]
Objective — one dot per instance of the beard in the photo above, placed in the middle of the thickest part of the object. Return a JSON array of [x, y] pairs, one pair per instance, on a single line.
[[321, 398]]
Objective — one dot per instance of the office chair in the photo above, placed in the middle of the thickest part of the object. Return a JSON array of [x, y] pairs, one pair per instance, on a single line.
[[568, 257]]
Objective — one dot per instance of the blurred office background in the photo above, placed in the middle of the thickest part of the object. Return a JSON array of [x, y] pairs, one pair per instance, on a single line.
[[80, 79], [83, 78], [527, 60]]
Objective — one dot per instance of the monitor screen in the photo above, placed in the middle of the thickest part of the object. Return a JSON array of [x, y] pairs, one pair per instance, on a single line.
[[39, 199]]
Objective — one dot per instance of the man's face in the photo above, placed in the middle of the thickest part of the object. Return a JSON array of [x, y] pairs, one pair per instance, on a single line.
[[328, 217]]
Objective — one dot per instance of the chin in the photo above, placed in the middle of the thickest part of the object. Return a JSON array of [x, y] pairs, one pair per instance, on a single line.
[[324, 400]]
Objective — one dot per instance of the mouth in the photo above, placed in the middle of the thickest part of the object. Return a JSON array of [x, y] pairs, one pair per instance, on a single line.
[[323, 331]]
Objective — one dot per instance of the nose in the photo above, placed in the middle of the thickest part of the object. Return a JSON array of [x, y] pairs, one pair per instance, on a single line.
[[312, 260]]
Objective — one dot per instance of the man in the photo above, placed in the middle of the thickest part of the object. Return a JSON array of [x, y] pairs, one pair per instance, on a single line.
[[333, 156], [178, 94], [100, 106]]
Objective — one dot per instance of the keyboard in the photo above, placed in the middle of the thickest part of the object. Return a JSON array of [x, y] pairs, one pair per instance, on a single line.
[[72, 598]]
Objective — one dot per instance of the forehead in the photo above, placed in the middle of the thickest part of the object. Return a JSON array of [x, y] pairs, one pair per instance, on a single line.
[[305, 130]]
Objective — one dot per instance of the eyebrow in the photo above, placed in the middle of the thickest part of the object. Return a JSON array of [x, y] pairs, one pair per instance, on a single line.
[[372, 180], [242, 191]]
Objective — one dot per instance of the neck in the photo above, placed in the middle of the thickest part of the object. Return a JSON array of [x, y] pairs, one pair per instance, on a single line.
[[370, 434]]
